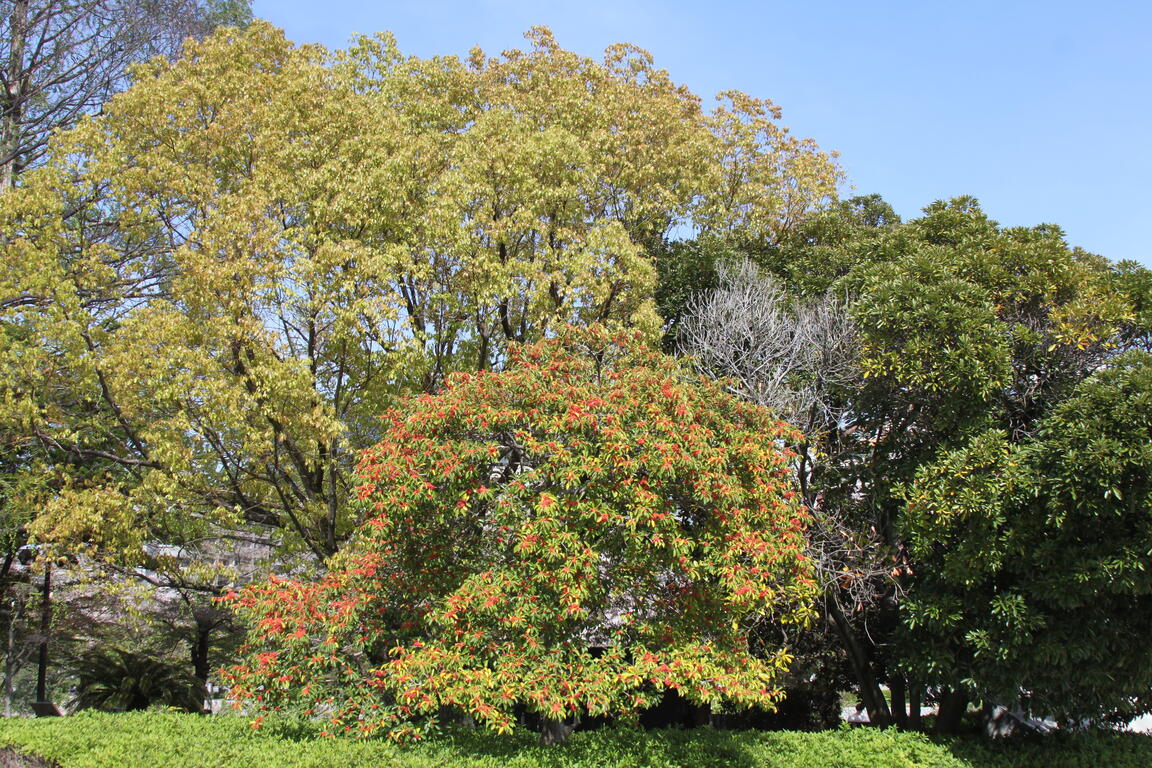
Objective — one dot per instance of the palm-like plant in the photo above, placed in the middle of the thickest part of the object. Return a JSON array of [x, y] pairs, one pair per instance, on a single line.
[[118, 680]]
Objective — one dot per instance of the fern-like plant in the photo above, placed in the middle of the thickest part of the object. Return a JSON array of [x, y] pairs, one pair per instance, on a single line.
[[118, 680]]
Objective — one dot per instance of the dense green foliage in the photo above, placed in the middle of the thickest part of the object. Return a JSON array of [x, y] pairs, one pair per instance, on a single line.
[[175, 741], [1038, 582], [148, 740], [966, 330]]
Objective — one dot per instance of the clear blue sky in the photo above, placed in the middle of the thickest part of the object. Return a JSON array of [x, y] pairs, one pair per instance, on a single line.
[[1042, 110]]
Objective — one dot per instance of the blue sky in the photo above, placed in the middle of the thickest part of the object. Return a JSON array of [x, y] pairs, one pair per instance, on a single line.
[[1042, 110]]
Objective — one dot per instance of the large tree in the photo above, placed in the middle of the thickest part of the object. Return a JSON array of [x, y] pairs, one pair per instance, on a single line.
[[959, 326], [61, 59], [575, 534], [213, 288], [1035, 585]]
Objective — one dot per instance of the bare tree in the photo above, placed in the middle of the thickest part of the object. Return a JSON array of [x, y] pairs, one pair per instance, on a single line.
[[774, 349], [798, 358], [60, 59]]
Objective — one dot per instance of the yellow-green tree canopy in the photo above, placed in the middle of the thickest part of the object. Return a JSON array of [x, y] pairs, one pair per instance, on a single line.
[[213, 288]]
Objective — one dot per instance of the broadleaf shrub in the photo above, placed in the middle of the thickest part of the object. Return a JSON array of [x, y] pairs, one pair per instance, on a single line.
[[574, 535], [167, 740]]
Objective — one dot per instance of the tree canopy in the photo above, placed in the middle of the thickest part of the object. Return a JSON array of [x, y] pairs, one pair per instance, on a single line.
[[961, 330], [1034, 584], [214, 287], [63, 58]]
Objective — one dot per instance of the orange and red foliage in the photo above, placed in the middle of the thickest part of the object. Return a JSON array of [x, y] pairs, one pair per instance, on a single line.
[[577, 533]]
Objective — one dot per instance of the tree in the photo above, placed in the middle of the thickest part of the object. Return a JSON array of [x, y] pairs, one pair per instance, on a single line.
[[60, 60], [573, 535], [976, 328], [1035, 585], [961, 326], [785, 353], [797, 356], [827, 244], [213, 288], [63, 58]]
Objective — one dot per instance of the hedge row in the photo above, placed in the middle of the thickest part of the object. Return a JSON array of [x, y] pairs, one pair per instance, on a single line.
[[155, 740]]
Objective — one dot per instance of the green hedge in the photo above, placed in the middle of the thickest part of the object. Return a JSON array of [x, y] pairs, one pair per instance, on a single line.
[[153, 740]]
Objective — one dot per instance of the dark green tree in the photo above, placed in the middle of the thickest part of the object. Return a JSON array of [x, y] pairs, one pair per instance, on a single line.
[[961, 326], [1035, 581]]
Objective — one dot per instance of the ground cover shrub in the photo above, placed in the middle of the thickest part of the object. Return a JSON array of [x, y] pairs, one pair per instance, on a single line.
[[1106, 749], [168, 740]]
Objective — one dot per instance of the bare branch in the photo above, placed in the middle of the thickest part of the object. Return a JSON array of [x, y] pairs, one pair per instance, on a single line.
[[773, 349]]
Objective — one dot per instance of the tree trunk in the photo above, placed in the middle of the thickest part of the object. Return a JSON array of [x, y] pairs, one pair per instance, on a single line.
[[915, 699], [899, 710], [200, 666], [45, 629], [13, 106], [9, 657], [878, 712], [953, 705], [554, 732]]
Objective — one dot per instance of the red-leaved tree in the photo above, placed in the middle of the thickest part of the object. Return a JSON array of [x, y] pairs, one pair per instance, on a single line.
[[573, 535]]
